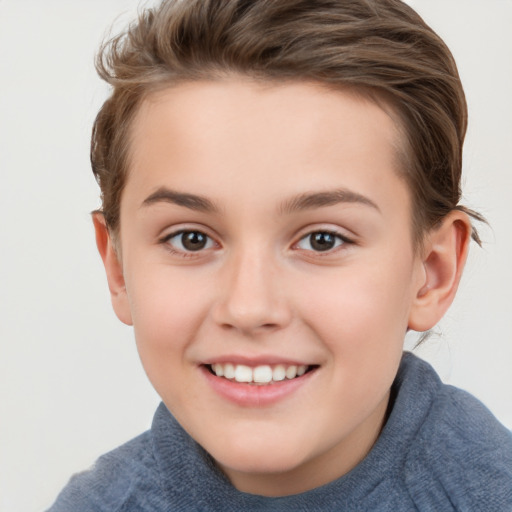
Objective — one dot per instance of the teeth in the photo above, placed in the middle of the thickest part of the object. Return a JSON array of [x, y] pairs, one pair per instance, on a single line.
[[291, 372], [243, 373], [218, 369], [279, 372], [229, 371], [263, 374]]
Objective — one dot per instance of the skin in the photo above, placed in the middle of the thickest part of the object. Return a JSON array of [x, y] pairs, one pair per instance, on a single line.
[[259, 289]]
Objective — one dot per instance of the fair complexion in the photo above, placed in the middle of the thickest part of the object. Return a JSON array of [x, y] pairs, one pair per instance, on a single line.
[[265, 229]]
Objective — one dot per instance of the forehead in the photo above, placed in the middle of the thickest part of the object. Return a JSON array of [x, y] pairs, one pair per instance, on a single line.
[[247, 102], [251, 137]]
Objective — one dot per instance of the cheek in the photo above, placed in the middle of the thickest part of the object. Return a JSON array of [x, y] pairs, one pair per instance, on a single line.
[[361, 318], [167, 312], [364, 305], [164, 302]]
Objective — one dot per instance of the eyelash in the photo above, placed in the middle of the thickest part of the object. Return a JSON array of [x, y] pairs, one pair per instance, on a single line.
[[340, 241], [184, 253]]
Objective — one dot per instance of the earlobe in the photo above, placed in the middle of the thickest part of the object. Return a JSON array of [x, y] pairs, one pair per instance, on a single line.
[[443, 261], [113, 269]]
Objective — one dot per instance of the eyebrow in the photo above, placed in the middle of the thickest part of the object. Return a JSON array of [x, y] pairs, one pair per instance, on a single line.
[[312, 200], [304, 201], [191, 201]]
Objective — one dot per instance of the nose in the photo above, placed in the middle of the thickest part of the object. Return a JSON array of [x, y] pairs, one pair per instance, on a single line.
[[251, 298]]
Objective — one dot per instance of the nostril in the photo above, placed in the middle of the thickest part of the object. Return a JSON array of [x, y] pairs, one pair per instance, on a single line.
[[246, 328], [250, 313]]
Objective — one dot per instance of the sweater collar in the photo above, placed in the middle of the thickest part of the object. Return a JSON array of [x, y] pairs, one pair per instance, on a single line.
[[192, 480]]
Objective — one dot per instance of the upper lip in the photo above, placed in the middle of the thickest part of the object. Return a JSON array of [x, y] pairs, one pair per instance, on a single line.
[[254, 361]]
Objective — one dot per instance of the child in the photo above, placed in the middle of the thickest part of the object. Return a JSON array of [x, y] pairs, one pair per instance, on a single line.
[[280, 186]]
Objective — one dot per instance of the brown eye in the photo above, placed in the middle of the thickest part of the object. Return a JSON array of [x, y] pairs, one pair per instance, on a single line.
[[193, 240], [321, 241], [189, 241]]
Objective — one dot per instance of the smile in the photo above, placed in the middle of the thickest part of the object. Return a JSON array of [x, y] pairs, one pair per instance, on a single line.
[[259, 384], [260, 375]]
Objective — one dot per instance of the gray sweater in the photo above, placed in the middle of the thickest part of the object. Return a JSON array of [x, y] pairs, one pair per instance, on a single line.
[[440, 450]]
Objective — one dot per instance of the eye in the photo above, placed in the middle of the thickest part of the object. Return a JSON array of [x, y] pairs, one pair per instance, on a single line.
[[189, 241], [321, 241]]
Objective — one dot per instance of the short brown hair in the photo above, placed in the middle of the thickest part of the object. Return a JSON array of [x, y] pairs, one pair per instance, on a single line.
[[382, 48]]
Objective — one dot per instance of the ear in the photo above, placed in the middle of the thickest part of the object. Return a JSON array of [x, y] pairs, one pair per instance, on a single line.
[[443, 260], [113, 268]]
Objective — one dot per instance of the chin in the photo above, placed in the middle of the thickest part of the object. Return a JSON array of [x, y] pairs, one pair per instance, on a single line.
[[257, 457]]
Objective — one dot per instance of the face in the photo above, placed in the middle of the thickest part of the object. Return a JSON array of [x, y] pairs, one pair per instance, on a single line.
[[269, 273]]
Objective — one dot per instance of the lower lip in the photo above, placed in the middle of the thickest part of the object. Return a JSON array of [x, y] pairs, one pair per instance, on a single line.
[[252, 395]]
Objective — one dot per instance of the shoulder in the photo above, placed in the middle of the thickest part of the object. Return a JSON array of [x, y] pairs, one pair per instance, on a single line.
[[460, 454], [112, 484]]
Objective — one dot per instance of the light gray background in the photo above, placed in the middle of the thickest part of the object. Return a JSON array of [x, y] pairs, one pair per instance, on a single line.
[[71, 386]]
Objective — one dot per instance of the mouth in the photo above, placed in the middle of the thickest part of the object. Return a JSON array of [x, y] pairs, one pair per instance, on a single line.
[[261, 375], [261, 384]]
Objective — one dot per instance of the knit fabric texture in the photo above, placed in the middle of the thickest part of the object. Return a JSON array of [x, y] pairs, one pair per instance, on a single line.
[[440, 450]]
